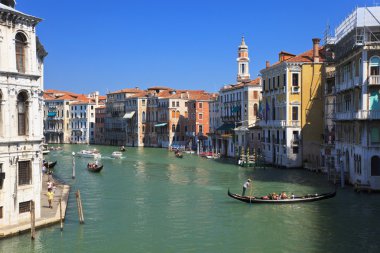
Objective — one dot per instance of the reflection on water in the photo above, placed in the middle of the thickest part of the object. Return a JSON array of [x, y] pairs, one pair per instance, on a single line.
[[149, 201]]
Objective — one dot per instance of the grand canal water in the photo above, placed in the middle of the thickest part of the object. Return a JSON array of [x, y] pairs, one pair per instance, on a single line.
[[150, 201]]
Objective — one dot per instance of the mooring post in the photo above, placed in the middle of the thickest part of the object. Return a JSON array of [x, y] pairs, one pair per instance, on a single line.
[[80, 208], [60, 213], [32, 221], [73, 164]]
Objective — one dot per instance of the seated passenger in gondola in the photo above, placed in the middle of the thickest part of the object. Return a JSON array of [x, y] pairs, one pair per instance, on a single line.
[[283, 195]]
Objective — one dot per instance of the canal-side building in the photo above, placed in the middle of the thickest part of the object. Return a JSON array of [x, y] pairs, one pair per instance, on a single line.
[[57, 116], [82, 118], [215, 123], [100, 113], [292, 106], [21, 114], [121, 109], [357, 88], [238, 109], [198, 126]]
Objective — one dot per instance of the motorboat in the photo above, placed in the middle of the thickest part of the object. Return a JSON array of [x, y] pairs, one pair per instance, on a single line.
[[94, 153], [116, 154]]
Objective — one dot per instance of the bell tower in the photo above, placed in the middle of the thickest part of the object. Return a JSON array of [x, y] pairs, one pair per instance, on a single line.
[[243, 62]]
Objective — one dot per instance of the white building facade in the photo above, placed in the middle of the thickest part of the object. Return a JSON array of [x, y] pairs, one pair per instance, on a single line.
[[21, 114], [357, 90]]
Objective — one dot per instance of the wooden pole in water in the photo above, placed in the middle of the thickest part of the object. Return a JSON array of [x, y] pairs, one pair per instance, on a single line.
[[60, 213], [80, 208], [73, 164], [32, 220]]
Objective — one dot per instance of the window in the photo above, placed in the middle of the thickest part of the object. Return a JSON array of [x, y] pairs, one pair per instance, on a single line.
[[295, 150], [173, 114], [177, 114], [263, 85], [186, 114], [143, 117], [143, 102], [294, 112], [375, 166], [200, 105], [255, 94], [24, 207], [295, 79], [374, 65], [143, 129], [24, 173], [177, 104], [200, 116], [284, 81], [255, 110], [375, 135], [20, 52], [1, 212], [2, 176], [200, 129], [22, 113], [173, 128]]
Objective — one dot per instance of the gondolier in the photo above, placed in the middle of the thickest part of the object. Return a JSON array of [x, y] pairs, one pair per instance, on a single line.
[[245, 186]]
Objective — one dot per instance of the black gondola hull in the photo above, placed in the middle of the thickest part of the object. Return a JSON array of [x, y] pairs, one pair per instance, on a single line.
[[258, 200], [96, 169]]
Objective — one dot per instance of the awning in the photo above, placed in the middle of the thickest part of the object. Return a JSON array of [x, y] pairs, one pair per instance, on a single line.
[[160, 124], [226, 127], [129, 115], [52, 114]]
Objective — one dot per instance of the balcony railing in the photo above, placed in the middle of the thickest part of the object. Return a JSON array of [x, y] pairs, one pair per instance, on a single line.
[[343, 116], [294, 123], [367, 114], [374, 80]]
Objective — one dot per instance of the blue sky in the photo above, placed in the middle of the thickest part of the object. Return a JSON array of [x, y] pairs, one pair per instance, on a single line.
[[188, 44]]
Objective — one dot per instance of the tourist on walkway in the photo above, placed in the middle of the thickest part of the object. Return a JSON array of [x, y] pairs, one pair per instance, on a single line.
[[49, 185], [44, 170], [50, 195], [245, 186]]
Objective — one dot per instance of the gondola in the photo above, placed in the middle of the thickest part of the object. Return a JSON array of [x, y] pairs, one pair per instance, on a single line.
[[122, 149], [50, 165], [97, 168], [179, 155], [296, 199]]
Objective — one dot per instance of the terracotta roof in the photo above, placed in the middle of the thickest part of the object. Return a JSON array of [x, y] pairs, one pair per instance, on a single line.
[[159, 88], [127, 90], [305, 57]]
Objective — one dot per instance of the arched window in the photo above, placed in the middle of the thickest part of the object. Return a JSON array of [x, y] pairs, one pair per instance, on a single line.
[[375, 166], [173, 128], [173, 114], [374, 65], [143, 116], [20, 52], [22, 111], [255, 110], [177, 114]]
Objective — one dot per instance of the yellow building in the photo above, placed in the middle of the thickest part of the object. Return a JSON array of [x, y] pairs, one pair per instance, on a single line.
[[292, 109]]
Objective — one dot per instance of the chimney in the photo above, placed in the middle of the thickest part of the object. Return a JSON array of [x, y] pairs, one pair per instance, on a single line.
[[267, 64], [316, 49]]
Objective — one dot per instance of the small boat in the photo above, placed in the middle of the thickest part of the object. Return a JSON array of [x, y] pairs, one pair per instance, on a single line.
[[50, 165], [116, 154], [122, 149], [89, 154], [296, 199], [178, 154], [94, 168]]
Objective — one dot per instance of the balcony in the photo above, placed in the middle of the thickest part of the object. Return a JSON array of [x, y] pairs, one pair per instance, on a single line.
[[272, 123], [374, 80], [367, 115], [343, 116], [294, 123]]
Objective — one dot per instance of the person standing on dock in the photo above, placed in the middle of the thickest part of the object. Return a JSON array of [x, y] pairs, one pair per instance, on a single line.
[[50, 195], [245, 186]]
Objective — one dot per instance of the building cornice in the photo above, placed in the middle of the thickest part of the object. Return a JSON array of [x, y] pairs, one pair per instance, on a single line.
[[15, 17], [18, 74]]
